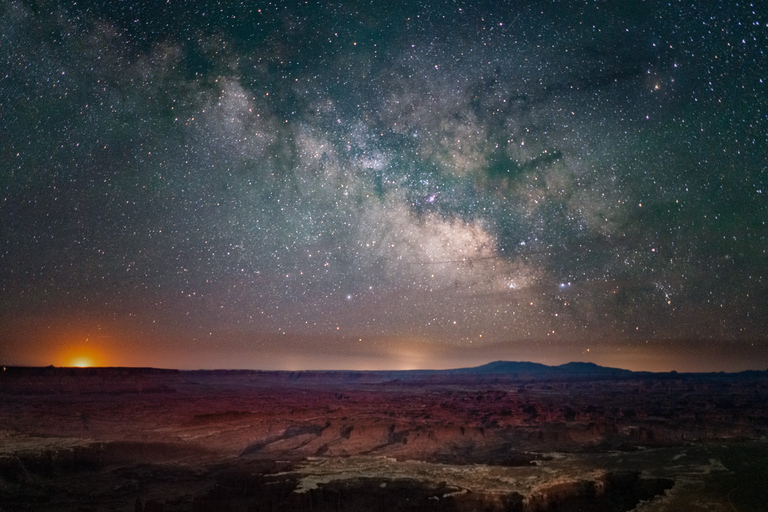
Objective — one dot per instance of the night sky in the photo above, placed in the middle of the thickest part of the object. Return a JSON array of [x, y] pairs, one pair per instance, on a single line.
[[388, 184]]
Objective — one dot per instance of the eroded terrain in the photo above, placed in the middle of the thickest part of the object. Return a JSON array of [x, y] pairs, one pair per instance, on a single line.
[[148, 440]]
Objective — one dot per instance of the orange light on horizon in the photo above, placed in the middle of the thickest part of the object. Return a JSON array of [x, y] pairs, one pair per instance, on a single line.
[[80, 356], [81, 362]]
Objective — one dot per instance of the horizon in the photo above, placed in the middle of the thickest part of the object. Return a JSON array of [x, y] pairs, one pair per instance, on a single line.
[[363, 370], [380, 365]]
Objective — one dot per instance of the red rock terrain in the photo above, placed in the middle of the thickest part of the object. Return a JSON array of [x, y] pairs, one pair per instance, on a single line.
[[144, 439]]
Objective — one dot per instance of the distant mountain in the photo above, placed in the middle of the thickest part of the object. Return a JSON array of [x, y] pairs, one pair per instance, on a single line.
[[538, 369], [505, 367], [592, 369]]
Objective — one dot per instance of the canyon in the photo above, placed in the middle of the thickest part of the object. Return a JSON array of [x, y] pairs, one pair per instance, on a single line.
[[503, 437]]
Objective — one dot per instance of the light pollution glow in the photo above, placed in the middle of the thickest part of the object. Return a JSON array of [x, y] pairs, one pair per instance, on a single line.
[[64, 344]]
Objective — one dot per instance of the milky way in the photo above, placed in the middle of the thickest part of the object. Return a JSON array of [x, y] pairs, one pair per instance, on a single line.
[[274, 181]]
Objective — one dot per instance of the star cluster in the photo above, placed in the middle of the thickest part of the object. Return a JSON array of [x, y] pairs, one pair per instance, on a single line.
[[315, 178]]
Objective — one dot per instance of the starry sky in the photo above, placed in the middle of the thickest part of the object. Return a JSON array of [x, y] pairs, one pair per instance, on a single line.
[[296, 185]]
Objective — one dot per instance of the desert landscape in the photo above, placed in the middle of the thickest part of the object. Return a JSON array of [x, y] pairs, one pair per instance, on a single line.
[[504, 436], [283, 256]]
